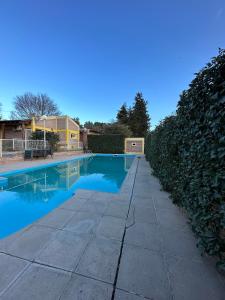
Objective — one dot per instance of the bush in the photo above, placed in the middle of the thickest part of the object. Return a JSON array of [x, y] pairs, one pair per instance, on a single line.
[[187, 153], [51, 137], [162, 151], [106, 143]]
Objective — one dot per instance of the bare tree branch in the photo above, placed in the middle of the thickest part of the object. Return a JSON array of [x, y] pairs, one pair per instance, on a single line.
[[29, 105]]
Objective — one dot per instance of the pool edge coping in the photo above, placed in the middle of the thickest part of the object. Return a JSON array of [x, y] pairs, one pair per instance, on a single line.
[[50, 164]]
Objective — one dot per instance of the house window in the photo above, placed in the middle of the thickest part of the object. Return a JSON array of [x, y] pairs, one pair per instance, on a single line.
[[133, 144], [73, 136]]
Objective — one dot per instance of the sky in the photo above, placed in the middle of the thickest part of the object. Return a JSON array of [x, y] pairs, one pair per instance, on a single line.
[[91, 56]]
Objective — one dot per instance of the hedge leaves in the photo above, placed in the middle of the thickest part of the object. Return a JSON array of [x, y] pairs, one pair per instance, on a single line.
[[187, 153], [106, 143]]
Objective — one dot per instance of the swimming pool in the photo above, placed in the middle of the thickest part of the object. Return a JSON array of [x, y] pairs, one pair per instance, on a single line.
[[31, 193]]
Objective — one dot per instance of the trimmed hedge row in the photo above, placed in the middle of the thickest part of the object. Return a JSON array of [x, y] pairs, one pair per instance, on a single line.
[[187, 153], [106, 143]]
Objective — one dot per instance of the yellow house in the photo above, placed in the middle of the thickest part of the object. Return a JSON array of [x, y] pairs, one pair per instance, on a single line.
[[68, 129]]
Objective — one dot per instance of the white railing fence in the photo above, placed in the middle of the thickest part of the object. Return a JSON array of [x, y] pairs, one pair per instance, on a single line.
[[8, 146], [18, 145]]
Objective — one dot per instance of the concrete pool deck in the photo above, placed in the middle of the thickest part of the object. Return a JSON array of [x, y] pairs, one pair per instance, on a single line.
[[128, 246]]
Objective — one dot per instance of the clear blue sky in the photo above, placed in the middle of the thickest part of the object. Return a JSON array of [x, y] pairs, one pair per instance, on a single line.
[[90, 56]]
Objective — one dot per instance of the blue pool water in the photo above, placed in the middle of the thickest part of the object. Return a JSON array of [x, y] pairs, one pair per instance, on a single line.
[[32, 193]]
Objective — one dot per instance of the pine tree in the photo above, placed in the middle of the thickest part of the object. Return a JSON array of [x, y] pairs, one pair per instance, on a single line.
[[122, 115], [139, 120]]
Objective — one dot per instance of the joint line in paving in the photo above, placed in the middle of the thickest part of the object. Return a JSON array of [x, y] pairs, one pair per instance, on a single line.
[[132, 293], [124, 233], [15, 279]]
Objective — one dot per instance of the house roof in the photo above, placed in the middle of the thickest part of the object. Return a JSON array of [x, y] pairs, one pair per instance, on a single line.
[[28, 121], [14, 122]]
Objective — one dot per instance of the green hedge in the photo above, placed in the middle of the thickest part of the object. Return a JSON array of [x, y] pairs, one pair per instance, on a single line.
[[187, 153], [106, 143]]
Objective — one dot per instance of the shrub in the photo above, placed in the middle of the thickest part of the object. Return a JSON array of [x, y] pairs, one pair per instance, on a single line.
[[187, 153], [162, 151], [106, 143], [51, 137]]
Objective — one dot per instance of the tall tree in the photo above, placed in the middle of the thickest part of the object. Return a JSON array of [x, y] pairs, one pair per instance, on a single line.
[[0, 110], [123, 115], [88, 124], [29, 105], [98, 126], [117, 128], [139, 121], [77, 120]]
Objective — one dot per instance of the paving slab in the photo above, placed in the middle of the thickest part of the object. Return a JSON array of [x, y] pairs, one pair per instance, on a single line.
[[143, 185], [57, 218], [100, 260], [143, 201], [143, 214], [143, 272], [144, 235], [117, 209], [141, 193], [144, 180], [95, 206], [128, 184], [172, 218], [7, 241], [163, 201], [64, 251], [144, 176], [83, 223], [29, 244], [103, 196], [86, 194], [179, 243], [124, 197], [111, 227], [83, 288], [122, 295], [10, 268], [194, 280], [159, 194], [38, 282], [75, 203]]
